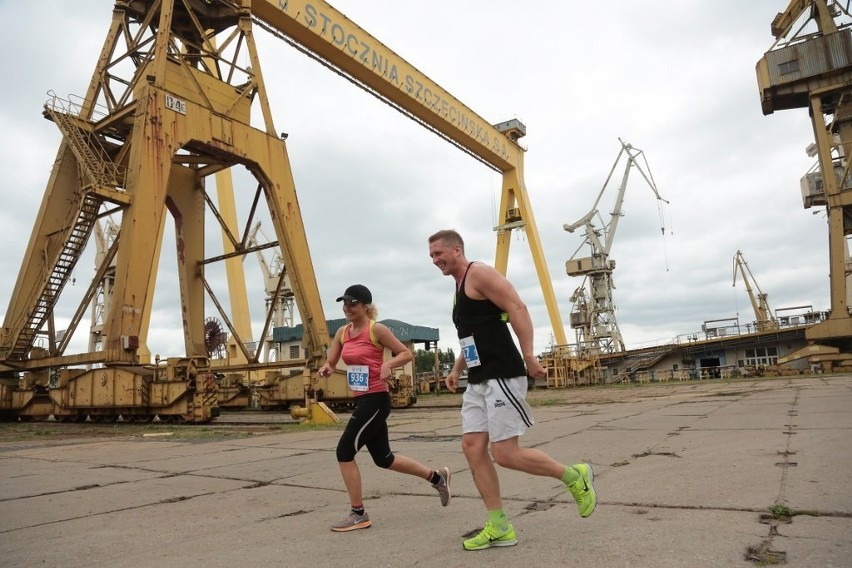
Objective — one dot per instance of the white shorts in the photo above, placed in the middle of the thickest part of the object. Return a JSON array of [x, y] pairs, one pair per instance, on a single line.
[[497, 406]]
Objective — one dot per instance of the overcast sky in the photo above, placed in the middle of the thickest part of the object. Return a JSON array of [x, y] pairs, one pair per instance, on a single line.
[[675, 79]]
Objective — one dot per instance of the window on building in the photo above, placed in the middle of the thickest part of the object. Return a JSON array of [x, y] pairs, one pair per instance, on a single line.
[[294, 352], [789, 66], [761, 356]]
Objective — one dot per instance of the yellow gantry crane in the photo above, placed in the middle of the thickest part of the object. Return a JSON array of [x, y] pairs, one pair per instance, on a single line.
[[810, 66], [765, 319], [169, 104]]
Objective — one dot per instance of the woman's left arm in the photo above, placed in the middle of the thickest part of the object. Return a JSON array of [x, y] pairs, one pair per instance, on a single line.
[[401, 354]]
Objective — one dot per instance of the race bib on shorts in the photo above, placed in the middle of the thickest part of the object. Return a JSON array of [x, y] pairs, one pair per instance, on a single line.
[[358, 377], [471, 355]]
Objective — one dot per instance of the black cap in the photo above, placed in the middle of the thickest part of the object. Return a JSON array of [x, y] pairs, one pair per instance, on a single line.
[[357, 293]]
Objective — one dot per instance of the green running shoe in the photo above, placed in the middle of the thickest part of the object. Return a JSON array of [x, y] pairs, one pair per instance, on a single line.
[[491, 537], [582, 490]]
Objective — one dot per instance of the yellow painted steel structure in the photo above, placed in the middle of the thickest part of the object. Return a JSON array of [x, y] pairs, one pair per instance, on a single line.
[[813, 70], [168, 105]]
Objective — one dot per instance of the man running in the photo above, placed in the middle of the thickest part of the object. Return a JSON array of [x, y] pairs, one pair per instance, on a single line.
[[494, 408]]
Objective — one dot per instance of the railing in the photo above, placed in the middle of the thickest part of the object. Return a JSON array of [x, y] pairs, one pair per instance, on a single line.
[[784, 324], [90, 152]]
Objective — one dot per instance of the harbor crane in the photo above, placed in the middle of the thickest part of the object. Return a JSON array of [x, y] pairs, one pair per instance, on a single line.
[[765, 319], [593, 312], [810, 66], [279, 295], [105, 233]]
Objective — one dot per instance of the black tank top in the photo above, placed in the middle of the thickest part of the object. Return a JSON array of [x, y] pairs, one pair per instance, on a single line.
[[486, 323]]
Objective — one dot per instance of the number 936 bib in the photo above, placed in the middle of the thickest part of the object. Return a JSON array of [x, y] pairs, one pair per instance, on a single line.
[[358, 377]]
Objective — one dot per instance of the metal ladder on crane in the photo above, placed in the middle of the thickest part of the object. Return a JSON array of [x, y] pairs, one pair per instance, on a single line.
[[102, 174]]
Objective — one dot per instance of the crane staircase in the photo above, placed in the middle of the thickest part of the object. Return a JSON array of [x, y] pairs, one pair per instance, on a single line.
[[638, 364], [100, 177]]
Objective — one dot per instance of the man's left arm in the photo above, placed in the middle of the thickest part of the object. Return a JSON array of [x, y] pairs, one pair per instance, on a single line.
[[500, 291]]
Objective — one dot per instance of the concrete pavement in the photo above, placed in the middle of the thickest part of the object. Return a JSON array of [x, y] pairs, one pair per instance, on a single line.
[[686, 475]]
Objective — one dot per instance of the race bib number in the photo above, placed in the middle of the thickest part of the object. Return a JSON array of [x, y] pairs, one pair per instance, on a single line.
[[358, 377], [471, 355]]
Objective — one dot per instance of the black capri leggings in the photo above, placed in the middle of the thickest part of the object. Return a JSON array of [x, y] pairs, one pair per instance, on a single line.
[[368, 427]]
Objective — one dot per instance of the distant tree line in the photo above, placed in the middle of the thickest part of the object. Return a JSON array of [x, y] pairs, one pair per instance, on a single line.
[[424, 361]]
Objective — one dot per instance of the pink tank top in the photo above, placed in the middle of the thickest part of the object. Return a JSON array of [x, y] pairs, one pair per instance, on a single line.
[[360, 350]]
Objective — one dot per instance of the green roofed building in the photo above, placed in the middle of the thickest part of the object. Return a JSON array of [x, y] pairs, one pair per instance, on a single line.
[[289, 339]]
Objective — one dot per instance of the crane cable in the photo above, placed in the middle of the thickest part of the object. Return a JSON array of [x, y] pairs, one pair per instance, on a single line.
[[663, 231], [660, 213]]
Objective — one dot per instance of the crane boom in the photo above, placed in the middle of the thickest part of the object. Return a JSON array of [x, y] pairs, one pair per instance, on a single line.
[[633, 155], [784, 21], [323, 30]]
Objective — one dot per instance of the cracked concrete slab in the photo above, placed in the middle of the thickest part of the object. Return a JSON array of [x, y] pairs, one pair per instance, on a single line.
[[686, 475]]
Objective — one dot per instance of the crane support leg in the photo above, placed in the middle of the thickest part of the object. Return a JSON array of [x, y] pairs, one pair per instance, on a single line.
[[839, 323], [516, 211]]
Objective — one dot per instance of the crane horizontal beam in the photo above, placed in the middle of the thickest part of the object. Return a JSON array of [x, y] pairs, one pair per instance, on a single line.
[[326, 32]]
